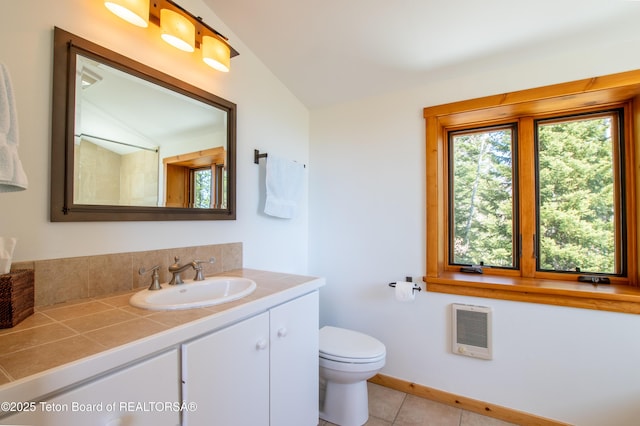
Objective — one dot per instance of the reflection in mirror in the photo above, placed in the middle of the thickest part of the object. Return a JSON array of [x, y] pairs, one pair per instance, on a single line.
[[137, 144]]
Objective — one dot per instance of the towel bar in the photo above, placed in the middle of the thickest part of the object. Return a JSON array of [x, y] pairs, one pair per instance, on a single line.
[[257, 156]]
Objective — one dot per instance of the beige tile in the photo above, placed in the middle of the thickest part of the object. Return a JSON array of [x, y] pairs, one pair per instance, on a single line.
[[137, 311], [22, 265], [384, 403], [205, 253], [260, 292], [30, 337], [416, 411], [75, 310], [147, 260], [118, 301], [257, 294], [190, 254], [472, 419], [175, 318], [125, 332], [35, 320], [275, 284], [256, 274], [110, 273], [98, 320], [60, 280], [421, 413], [375, 421], [231, 256], [34, 360], [184, 255], [4, 377], [64, 304]]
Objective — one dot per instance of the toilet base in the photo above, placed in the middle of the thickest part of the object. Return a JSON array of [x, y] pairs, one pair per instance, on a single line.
[[346, 404]]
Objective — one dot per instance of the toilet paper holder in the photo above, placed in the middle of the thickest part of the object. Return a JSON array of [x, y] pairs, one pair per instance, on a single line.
[[415, 286]]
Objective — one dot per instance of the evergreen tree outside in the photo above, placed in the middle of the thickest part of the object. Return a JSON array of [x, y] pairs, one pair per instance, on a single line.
[[483, 198], [202, 188], [576, 189], [576, 195]]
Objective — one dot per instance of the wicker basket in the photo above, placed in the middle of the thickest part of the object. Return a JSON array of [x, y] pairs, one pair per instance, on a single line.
[[16, 297]]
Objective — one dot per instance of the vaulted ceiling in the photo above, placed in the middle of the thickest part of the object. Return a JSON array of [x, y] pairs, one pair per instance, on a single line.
[[333, 51]]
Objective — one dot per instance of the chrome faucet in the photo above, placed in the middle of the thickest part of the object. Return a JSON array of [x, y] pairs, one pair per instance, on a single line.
[[176, 269]]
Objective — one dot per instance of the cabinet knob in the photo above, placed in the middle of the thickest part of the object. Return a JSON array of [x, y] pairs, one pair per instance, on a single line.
[[283, 332], [261, 345]]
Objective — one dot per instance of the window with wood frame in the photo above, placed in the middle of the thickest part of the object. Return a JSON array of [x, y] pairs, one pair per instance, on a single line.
[[196, 179], [531, 194]]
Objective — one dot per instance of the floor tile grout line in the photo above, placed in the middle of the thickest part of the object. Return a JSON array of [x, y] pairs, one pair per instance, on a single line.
[[404, 399]]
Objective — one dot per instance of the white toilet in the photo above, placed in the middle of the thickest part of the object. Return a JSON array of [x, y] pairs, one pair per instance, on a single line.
[[347, 359]]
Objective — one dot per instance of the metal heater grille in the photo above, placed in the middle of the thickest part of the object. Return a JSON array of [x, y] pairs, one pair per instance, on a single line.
[[471, 331]]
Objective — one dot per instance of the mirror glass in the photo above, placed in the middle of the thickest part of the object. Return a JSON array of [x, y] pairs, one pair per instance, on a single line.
[[136, 144]]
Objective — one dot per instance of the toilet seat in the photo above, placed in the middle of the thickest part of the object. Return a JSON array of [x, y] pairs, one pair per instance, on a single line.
[[348, 346]]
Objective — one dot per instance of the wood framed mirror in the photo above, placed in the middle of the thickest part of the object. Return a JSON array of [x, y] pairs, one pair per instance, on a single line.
[[130, 143]]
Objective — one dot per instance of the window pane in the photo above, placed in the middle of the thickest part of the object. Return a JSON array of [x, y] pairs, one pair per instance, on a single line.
[[481, 199], [577, 195], [202, 188]]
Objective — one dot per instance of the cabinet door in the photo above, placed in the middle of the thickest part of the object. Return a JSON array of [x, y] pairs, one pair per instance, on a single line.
[[226, 374], [294, 362], [145, 394]]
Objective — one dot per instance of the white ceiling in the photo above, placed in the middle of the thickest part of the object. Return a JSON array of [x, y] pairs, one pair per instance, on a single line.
[[134, 113], [332, 51]]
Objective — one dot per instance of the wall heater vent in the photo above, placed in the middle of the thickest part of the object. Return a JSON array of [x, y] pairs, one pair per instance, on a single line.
[[471, 331]]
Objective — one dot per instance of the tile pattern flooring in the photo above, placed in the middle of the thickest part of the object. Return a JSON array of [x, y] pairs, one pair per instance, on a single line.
[[389, 407]]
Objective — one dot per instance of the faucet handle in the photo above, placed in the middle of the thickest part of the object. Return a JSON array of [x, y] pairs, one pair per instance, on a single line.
[[198, 268], [155, 277]]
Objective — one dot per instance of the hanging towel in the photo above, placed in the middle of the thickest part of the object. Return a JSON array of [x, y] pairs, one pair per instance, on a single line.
[[284, 185], [12, 176]]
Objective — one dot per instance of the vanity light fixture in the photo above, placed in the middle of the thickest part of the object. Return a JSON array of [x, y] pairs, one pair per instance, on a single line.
[[135, 12], [216, 53], [179, 28]]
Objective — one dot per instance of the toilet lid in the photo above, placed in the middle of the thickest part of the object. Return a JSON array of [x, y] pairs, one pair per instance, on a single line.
[[352, 346]]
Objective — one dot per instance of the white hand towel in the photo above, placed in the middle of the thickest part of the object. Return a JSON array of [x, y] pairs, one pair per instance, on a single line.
[[284, 186], [12, 176]]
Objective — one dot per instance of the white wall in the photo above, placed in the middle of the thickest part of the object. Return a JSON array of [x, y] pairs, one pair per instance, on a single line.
[[367, 228], [269, 118], [366, 210]]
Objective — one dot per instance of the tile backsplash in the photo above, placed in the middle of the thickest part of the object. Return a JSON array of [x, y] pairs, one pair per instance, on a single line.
[[62, 280]]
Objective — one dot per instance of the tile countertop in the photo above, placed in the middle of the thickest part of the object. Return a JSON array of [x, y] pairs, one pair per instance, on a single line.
[[61, 345]]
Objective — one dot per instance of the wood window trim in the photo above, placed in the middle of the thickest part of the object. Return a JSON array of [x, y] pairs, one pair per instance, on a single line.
[[177, 172], [581, 95]]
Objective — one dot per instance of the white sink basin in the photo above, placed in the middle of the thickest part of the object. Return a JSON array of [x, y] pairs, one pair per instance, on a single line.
[[194, 294]]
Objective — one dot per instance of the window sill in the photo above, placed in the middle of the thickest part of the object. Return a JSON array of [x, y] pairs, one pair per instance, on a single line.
[[603, 297]]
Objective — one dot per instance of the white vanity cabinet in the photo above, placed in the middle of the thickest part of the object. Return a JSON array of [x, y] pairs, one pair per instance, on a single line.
[[249, 364], [294, 362], [261, 371], [144, 394], [226, 374]]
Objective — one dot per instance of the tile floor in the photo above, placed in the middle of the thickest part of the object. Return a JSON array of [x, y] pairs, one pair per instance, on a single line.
[[389, 407]]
